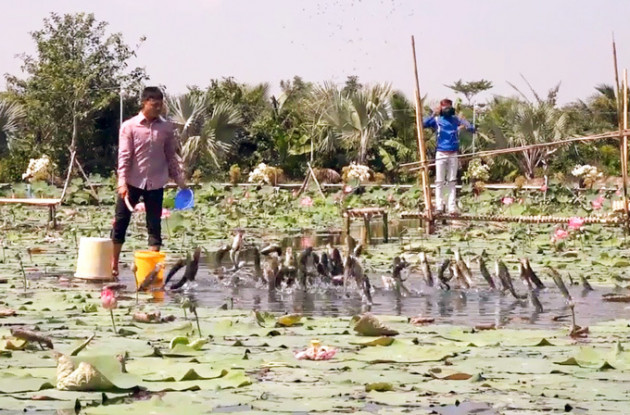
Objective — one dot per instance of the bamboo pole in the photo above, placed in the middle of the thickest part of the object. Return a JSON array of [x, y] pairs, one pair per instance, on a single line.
[[417, 165], [622, 147], [624, 173], [422, 151]]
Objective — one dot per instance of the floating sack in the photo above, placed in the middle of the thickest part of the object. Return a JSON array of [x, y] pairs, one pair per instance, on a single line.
[[85, 377]]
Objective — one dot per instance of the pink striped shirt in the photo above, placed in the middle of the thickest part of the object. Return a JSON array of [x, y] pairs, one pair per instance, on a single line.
[[147, 153]]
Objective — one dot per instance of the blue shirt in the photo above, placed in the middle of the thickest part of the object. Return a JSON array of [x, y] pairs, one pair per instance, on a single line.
[[446, 127]]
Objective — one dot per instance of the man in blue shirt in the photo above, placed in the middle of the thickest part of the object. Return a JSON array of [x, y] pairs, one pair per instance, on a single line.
[[446, 124]]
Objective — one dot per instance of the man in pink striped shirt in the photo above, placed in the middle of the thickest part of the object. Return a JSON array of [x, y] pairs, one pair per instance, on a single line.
[[147, 156]]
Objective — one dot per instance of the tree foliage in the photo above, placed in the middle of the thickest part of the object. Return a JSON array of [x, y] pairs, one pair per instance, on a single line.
[[471, 88], [78, 70]]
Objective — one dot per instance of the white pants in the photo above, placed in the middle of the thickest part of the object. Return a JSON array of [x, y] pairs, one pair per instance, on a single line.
[[446, 164]]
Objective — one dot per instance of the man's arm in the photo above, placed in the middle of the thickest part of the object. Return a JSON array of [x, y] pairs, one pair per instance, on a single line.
[[125, 153], [429, 122], [464, 122], [175, 170]]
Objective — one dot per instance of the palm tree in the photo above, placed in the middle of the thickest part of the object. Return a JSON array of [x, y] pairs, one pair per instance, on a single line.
[[202, 133], [11, 115], [353, 120], [519, 122], [215, 137], [370, 112], [187, 112]]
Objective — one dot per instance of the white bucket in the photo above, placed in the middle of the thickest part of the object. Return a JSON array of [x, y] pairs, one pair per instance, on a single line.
[[95, 259]]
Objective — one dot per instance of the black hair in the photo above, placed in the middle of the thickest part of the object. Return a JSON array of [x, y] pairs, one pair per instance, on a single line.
[[152, 92]]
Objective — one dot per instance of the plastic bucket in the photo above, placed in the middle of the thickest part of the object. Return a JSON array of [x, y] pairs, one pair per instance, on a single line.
[[145, 263], [94, 261], [184, 199]]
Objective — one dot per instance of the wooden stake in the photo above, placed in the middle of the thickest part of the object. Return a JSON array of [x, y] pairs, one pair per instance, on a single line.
[[366, 236], [422, 150], [385, 228], [87, 180], [321, 192]]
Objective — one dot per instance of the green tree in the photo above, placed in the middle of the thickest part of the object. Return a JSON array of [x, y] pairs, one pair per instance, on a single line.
[[354, 121], [471, 88], [520, 122], [352, 85], [77, 71], [205, 134]]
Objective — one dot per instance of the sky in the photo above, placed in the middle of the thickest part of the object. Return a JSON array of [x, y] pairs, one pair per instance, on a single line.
[[190, 42]]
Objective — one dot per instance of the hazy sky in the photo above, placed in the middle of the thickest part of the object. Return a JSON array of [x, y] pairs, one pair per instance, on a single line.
[[191, 41]]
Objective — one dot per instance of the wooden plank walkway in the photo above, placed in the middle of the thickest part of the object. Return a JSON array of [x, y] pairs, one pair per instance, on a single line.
[[51, 204]]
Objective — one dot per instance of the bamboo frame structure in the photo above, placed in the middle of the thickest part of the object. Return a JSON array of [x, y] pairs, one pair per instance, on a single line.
[[417, 165], [622, 134], [624, 154], [518, 219], [623, 139], [422, 150]]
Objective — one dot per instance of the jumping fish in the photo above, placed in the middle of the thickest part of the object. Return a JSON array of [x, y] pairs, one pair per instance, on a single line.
[[535, 301], [559, 283], [585, 284], [150, 279], [464, 269], [426, 269], [459, 275], [506, 280], [530, 274], [441, 277], [485, 273], [192, 267], [174, 269]]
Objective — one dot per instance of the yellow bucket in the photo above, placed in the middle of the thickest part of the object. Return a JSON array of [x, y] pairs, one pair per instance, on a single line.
[[145, 263]]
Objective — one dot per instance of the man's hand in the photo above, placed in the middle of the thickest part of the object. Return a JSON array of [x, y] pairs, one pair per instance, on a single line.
[[123, 190], [181, 183]]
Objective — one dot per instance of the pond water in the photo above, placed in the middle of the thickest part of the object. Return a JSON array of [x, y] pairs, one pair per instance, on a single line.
[[478, 305]]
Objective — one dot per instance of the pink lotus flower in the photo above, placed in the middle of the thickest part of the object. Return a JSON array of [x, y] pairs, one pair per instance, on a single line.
[[576, 223], [347, 189], [507, 201], [229, 200], [560, 234], [109, 302], [543, 188], [165, 213], [306, 202], [246, 195], [598, 203], [108, 299], [140, 207], [320, 353]]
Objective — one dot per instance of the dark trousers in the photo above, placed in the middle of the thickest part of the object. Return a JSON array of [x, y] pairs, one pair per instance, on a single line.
[[153, 204]]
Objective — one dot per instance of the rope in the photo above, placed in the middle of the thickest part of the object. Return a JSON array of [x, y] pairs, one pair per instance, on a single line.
[[417, 165]]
